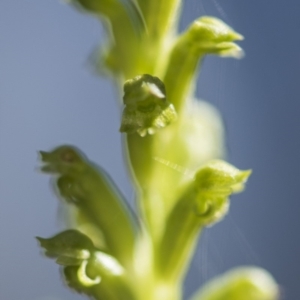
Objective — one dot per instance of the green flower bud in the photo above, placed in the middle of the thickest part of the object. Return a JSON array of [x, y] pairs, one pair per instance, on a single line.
[[206, 35], [213, 184], [146, 107], [203, 203], [71, 248], [243, 283], [211, 35], [125, 26], [96, 198], [75, 251]]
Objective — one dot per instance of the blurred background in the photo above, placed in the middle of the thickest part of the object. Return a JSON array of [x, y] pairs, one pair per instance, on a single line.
[[49, 96]]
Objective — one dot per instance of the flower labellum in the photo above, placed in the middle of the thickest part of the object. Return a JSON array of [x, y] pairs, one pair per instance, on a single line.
[[146, 107]]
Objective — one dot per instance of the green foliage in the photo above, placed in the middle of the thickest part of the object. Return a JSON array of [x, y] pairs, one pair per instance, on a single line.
[[174, 146]]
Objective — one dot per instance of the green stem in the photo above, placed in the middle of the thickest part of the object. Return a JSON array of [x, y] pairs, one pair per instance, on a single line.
[[160, 15], [140, 155], [180, 75], [179, 240]]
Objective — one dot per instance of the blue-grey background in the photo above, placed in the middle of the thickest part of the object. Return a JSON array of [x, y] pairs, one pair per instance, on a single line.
[[48, 96]]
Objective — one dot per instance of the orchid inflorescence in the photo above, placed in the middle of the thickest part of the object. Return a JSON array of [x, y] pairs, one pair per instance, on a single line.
[[174, 148]]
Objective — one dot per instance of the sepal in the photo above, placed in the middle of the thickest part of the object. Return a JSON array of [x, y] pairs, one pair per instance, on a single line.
[[146, 107], [62, 160], [69, 248]]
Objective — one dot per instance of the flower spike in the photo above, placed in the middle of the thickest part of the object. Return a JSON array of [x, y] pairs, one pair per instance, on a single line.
[[181, 187]]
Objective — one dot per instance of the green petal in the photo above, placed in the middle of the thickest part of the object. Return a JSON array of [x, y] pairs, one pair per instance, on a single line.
[[83, 278], [69, 247]]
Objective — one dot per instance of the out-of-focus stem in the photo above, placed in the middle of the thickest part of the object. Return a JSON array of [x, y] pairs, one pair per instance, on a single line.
[[160, 15], [180, 76], [179, 241]]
